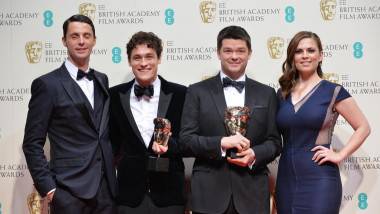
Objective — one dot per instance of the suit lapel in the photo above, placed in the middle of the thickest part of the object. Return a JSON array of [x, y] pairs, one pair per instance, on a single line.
[[164, 100], [250, 102], [217, 94], [101, 83], [75, 93], [104, 118], [125, 102], [250, 98]]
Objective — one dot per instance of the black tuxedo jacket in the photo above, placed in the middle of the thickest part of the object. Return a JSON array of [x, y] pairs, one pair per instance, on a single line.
[[214, 181], [78, 135], [131, 154]]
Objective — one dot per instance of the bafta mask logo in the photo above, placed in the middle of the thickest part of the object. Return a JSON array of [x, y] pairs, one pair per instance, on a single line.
[[328, 9], [34, 203], [207, 10], [275, 47], [33, 51], [332, 77], [87, 9]]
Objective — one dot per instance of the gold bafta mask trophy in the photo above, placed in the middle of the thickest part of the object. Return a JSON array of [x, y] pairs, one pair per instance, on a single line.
[[236, 121], [34, 203], [162, 129]]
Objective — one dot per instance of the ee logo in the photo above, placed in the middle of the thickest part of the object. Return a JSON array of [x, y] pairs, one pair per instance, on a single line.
[[362, 197], [116, 55], [169, 16], [358, 50], [289, 14], [48, 18]]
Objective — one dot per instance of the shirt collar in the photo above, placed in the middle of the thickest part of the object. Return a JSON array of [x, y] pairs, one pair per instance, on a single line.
[[222, 75], [156, 87], [72, 69]]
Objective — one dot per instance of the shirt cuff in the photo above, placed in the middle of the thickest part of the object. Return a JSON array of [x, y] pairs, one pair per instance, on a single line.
[[223, 152], [51, 191], [254, 160]]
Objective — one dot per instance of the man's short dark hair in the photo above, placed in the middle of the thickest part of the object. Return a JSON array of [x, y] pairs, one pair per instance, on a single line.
[[233, 32], [77, 18], [145, 38]]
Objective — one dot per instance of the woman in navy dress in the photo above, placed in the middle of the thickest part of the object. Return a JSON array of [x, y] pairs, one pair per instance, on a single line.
[[308, 179]]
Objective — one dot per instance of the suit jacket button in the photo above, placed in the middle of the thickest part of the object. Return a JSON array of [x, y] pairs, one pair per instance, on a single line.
[[98, 159]]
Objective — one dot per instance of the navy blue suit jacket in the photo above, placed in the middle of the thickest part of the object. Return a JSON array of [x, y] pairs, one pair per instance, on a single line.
[[79, 146]]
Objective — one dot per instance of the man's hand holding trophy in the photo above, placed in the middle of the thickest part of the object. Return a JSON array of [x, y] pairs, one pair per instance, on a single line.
[[236, 145], [161, 135]]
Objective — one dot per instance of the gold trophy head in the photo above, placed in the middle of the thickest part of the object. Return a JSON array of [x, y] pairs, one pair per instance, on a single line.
[[207, 10], [275, 47], [236, 119], [34, 203], [162, 128], [87, 9], [328, 9], [33, 51]]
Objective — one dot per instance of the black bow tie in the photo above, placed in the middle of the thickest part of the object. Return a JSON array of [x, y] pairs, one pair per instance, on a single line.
[[239, 85], [89, 75], [140, 91]]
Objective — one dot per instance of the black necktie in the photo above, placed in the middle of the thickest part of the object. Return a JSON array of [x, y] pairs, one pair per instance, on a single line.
[[239, 85], [140, 91], [89, 75]]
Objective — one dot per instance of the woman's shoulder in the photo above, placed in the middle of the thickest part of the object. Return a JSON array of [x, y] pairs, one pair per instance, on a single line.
[[337, 89], [330, 85]]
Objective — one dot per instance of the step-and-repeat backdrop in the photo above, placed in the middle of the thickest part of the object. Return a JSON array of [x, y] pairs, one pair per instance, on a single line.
[[30, 43]]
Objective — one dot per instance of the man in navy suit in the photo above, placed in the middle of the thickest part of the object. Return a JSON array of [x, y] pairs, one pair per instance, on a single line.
[[145, 184], [221, 184], [70, 105]]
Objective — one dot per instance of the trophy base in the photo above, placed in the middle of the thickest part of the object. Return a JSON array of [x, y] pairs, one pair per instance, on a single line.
[[232, 153], [158, 164]]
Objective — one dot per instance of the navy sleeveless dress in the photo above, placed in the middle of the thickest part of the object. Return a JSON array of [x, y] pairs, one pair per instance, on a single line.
[[302, 185]]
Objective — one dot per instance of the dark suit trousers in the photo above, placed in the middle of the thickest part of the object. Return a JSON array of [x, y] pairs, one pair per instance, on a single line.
[[230, 209], [148, 207], [64, 202]]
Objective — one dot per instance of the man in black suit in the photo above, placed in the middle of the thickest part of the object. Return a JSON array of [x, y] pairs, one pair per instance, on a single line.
[[220, 184], [146, 185], [70, 105]]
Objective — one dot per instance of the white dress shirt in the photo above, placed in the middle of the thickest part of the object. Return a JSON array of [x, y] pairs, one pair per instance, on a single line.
[[231, 94], [86, 85], [144, 110]]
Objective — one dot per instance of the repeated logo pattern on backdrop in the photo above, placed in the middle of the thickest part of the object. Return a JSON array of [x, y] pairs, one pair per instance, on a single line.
[[31, 33], [275, 47]]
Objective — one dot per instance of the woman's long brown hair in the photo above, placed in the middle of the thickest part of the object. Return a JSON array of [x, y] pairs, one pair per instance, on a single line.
[[289, 72]]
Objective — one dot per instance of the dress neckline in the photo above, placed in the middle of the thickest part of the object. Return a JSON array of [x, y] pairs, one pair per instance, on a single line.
[[305, 98]]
